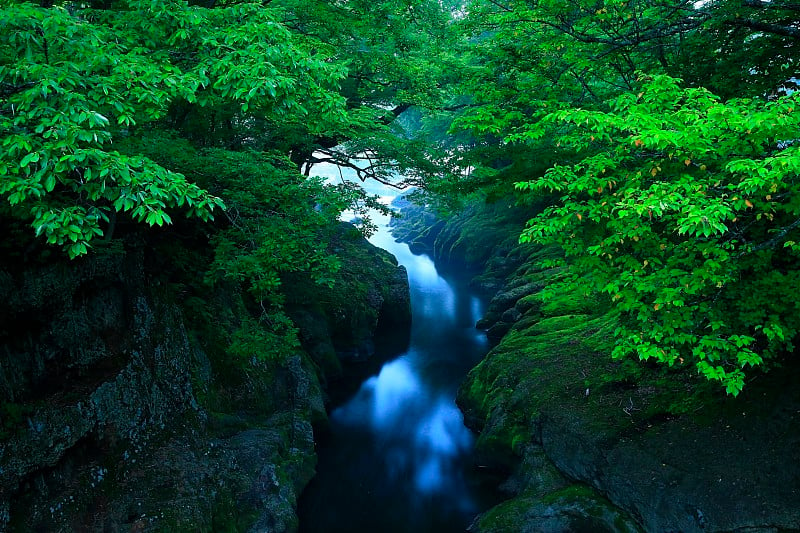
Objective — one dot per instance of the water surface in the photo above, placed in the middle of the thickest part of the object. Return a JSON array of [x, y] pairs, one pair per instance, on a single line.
[[398, 457]]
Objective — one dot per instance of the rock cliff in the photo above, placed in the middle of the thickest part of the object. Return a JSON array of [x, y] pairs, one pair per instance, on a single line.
[[121, 407]]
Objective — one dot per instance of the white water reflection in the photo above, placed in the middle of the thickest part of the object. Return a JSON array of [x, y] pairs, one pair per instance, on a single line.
[[477, 310], [379, 401]]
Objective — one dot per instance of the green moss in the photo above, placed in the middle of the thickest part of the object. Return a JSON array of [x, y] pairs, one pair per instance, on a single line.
[[564, 324], [571, 492], [499, 445], [570, 303], [575, 507], [223, 425], [12, 416], [228, 515], [508, 516], [531, 302]]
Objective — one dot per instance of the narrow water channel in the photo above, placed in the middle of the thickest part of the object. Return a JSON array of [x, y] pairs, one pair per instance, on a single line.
[[398, 457]]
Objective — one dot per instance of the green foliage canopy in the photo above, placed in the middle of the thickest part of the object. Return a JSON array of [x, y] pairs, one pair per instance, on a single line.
[[71, 81], [133, 113], [675, 199], [681, 209]]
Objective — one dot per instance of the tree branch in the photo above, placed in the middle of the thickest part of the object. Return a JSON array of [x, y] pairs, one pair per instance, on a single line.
[[777, 238], [776, 29], [372, 171], [761, 4]]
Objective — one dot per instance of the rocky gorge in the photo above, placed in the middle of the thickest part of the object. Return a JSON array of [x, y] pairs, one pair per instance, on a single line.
[[126, 407], [589, 443]]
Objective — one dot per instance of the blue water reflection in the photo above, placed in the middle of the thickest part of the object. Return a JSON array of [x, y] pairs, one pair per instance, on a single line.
[[398, 454], [424, 438], [440, 441]]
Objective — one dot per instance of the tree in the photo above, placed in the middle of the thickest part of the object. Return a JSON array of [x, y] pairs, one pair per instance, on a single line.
[[73, 81], [674, 200], [683, 209], [397, 55]]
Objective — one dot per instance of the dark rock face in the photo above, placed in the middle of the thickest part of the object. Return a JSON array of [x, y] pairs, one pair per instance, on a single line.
[[730, 465], [108, 433], [110, 360], [570, 509], [672, 458], [115, 414]]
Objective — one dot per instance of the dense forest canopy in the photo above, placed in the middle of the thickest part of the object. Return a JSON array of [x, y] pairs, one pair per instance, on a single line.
[[662, 137], [654, 141]]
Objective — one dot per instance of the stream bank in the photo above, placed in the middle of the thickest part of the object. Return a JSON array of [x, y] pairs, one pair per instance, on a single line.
[[593, 444]]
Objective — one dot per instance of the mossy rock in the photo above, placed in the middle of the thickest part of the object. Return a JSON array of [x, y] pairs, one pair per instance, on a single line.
[[573, 509], [639, 433], [368, 293]]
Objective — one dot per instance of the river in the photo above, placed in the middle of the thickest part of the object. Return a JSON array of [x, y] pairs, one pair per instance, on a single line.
[[398, 457]]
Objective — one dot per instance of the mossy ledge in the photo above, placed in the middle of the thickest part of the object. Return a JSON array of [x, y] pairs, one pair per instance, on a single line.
[[123, 408], [594, 444]]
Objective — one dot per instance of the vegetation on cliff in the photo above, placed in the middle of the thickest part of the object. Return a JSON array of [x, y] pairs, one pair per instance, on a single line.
[[121, 115]]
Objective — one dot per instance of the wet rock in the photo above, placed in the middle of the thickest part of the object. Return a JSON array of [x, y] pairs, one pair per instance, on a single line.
[[511, 315], [508, 306], [497, 330], [316, 340], [573, 509], [419, 248]]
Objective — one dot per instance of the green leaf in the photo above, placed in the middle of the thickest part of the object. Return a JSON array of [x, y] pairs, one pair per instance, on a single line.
[[28, 159]]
